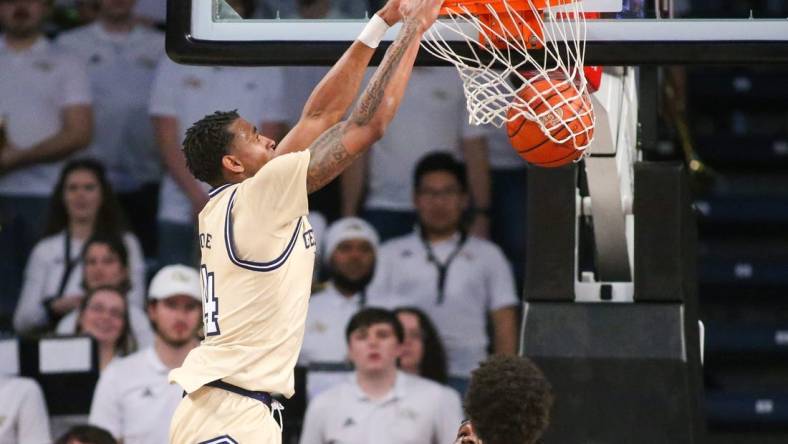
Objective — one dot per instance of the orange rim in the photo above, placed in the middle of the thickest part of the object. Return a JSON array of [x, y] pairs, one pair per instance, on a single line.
[[478, 7]]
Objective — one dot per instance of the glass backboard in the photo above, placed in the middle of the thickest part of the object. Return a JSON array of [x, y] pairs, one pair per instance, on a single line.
[[316, 32]]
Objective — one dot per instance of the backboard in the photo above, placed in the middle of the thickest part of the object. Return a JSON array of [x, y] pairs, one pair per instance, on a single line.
[[210, 32]]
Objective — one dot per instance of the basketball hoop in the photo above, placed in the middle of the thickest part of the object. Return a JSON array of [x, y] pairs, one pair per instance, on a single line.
[[523, 60]]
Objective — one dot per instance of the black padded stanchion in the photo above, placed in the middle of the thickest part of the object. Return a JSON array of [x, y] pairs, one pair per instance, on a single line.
[[620, 372], [550, 252], [627, 372]]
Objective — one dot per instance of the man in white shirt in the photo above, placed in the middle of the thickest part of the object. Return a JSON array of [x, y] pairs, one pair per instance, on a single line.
[[121, 56], [46, 109], [432, 118], [456, 278], [133, 399], [350, 248], [23, 412], [378, 403]]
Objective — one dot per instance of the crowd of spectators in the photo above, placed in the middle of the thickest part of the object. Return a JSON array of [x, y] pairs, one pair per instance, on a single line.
[[418, 271]]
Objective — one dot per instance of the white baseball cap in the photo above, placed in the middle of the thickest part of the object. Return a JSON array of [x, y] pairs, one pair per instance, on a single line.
[[174, 280], [349, 228]]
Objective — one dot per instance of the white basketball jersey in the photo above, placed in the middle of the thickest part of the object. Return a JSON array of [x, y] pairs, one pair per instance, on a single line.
[[258, 251]]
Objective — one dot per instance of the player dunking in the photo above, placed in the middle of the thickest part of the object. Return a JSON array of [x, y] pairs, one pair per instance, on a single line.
[[256, 243]]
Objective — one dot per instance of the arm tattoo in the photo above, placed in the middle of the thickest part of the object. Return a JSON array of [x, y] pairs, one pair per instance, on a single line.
[[373, 94], [329, 158]]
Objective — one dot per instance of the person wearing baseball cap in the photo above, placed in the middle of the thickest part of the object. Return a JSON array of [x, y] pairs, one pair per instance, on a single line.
[[349, 258], [133, 399]]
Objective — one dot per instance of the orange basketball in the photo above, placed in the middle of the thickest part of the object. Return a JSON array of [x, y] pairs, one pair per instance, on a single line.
[[570, 121]]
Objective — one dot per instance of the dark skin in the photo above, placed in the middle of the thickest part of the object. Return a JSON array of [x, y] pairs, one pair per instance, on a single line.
[[466, 434]]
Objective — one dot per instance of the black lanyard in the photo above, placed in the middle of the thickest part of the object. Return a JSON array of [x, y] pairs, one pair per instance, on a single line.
[[443, 267], [69, 264], [362, 299]]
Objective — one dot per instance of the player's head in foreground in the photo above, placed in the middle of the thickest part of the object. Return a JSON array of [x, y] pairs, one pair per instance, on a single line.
[[440, 194], [225, 148], [374, 337], [508, 402]]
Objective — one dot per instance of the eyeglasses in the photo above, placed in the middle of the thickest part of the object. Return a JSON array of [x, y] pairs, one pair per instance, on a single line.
[[433, 193]]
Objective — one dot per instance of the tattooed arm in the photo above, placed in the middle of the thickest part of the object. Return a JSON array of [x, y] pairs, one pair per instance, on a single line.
[[336, 148], [331, 98]]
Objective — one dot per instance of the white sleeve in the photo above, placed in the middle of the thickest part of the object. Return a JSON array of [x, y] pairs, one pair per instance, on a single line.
[[75, 88], [136, 271], [163, 92], [68, 325], [499, 279], [30, 312], [105, 409], [448, 416], [33, 424], [312, 431]]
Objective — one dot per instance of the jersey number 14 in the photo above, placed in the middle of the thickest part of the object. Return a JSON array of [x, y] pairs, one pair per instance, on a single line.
[[210, 303]]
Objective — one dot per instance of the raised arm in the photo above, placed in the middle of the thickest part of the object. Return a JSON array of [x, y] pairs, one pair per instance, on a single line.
[[331, 98], [337, 147]]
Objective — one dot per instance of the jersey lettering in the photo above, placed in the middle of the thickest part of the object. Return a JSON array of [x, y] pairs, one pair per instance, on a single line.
[[309, 239], [205, 240], [210, 303]]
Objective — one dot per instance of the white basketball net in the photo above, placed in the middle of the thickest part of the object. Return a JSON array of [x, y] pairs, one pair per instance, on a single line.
[[494, 78]]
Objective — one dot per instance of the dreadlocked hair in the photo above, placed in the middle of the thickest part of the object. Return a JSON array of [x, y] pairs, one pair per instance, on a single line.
[[206, 143], [508, 401]]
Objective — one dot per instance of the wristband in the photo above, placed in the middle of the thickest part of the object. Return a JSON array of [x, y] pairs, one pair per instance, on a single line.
[[373, 32]]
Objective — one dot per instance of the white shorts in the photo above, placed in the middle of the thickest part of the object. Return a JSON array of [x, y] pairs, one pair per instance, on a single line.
[[215, 416]]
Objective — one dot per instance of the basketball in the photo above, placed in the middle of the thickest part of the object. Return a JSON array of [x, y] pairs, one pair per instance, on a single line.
[[566, 115]]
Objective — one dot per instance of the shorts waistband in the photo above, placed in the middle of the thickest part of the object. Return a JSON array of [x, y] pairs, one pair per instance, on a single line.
[[263, 397]]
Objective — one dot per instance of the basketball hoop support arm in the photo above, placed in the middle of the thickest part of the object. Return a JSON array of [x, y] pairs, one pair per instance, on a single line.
[[608, 170]]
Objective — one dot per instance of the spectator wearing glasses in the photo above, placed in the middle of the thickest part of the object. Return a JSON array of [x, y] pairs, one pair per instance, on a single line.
[[104, 316], [459, 280]]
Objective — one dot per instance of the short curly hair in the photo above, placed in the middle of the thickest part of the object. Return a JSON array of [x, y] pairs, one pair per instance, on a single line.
[[508, 401], [206, 143]]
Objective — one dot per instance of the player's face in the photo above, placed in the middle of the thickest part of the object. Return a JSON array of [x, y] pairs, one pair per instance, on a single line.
[[249, 148], [22, 18], [353, 259], [177, 319], [116, 10], [103, 317], [440, 202], [467, 435], [413, 346], [82, 195], [374, 349], [103, 267]]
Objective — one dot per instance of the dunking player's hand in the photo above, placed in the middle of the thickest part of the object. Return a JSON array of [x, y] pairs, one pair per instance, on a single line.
[[422, 12], [390, 12]]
